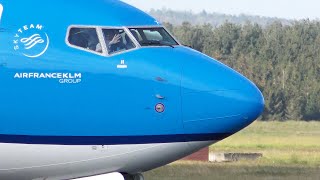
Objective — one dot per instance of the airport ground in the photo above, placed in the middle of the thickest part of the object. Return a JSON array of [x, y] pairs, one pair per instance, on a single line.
[[291, 151]]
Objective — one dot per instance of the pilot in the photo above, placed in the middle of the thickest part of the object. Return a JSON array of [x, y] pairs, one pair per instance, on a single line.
[[93, 40], [77, 38], [135, 34], [84, 37], [130, 44], [114, 41]]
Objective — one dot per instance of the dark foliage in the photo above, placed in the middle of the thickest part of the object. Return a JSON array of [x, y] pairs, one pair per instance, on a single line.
[[283, 60]]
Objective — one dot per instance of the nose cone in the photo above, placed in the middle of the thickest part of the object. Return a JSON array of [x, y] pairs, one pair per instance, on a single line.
[[217, 99], [249, 102]]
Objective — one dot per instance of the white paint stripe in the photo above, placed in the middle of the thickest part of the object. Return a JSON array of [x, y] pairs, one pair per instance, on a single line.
[[1, 10], [122, 66]]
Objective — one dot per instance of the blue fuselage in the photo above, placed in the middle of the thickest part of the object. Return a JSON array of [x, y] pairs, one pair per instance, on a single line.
[[69, 96]]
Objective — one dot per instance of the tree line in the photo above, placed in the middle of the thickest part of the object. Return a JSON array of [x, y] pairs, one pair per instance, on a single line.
[[283, 60], [215, 19]]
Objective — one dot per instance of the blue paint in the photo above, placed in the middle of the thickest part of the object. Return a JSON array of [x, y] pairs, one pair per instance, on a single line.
[[111, 140], [204, 99]]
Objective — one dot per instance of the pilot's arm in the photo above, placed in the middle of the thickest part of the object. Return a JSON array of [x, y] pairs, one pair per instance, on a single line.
[[115, 39], [112, 44]]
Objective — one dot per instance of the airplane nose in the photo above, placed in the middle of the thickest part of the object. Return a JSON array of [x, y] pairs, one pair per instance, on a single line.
[[217, 99], [250, 102], [225, 111]]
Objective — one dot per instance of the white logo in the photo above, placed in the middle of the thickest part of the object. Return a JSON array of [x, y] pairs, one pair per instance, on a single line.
[[64, 78], [1, 10], [31, 41], [122, 65]]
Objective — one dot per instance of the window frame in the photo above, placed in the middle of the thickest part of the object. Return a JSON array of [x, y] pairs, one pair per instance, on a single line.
[[81, 48], [102, 41], [160, 26], [127, 31]]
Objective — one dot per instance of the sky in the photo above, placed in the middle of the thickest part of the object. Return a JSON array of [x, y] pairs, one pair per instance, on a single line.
[[289, 9]]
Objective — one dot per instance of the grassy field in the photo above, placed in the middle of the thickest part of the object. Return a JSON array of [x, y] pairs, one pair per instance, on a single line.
[[291, 150]]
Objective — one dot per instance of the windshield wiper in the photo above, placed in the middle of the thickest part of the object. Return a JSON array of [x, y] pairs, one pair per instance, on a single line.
[[156, 43]]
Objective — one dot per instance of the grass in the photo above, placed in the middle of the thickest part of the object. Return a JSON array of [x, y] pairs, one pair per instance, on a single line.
[[291, 150], [283, 143], [207, 171]]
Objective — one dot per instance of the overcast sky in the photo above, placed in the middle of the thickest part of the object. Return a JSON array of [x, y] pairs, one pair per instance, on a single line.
[[290, 9]]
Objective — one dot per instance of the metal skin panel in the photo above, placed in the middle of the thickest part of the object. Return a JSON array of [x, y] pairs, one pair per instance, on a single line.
[[93, 12], [107, 98], [54, 162], [215, 97], [50, 128]]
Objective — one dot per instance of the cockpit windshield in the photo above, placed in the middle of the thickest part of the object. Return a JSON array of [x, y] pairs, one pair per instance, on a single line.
[[154, 36], [108, 41]]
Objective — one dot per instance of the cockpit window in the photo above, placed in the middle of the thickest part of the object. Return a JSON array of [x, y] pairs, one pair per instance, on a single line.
[[117, 40], [108, 41], [85, 38], [157, 36]]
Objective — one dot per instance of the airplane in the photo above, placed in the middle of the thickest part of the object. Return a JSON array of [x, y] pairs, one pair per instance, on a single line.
[[98, 87]]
